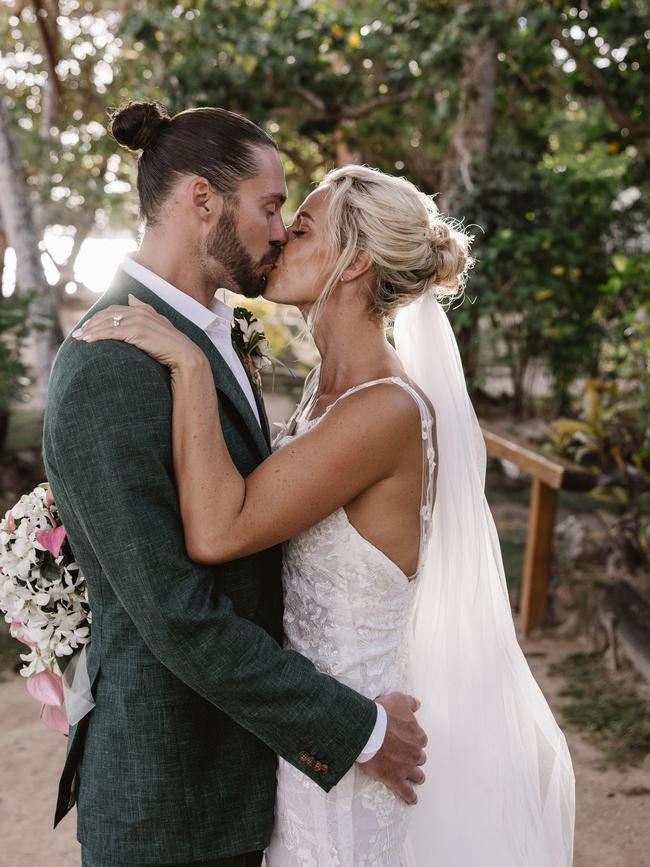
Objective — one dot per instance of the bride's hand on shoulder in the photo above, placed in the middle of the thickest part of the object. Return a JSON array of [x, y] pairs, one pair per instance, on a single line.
[[140, 325]]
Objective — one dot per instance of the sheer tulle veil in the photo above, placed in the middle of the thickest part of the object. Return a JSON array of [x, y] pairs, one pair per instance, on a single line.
[[500, 784]]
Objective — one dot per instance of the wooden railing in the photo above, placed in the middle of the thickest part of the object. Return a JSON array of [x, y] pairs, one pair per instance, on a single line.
[[549, 474]]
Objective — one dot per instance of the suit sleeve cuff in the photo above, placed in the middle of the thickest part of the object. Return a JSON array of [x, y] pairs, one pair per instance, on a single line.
[[377, 736]]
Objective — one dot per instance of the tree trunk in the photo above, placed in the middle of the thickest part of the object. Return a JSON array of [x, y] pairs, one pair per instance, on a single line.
[[47, 12], [471, 132], [344, 156], [18, 220], [469, 141]]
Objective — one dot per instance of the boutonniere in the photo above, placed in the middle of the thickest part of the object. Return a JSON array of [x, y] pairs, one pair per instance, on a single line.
[[250, 343]]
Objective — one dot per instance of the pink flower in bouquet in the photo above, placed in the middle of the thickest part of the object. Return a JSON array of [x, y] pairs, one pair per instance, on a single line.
[[11, 522], [52, 540], [54, 719], [48, 689]]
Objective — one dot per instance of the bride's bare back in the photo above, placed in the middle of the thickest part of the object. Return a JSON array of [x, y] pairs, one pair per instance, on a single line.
[[387, 513]]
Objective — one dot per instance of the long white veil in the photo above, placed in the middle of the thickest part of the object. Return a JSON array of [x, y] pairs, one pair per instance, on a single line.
[[500, 784]]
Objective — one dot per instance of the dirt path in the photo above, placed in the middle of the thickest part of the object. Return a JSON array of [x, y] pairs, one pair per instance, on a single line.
[[31, 758], [612, 827]]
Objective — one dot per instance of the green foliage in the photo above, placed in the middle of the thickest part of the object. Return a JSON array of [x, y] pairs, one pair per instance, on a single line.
[[383, 82], [618, 721], [25, 431], [612, 431], [15, 327], [543, 253], [70, 162]]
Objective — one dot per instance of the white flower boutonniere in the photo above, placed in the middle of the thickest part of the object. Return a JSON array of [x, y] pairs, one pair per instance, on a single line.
[[250, 343]]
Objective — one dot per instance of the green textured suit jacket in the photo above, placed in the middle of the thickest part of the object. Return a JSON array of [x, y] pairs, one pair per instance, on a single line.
[[194, 694]]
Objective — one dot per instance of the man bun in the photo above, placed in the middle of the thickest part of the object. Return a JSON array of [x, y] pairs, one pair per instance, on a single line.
[[136, 125]]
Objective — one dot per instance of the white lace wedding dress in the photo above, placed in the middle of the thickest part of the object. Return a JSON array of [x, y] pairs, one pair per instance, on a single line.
[[347, 608]]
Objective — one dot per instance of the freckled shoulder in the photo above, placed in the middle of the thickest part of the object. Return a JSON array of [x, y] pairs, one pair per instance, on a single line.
[[385, 412]]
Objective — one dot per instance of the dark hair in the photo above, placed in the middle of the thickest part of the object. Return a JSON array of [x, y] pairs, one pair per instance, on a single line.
[[211, 142]]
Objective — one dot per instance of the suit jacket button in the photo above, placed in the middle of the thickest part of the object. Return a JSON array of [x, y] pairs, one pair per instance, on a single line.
[[304, 757]]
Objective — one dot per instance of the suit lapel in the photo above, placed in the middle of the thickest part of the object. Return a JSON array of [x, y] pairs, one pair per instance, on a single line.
[[224, 378], [261, 409], [264, 419]]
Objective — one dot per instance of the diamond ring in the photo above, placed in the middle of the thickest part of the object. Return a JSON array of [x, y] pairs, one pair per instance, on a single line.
[[117, 319]]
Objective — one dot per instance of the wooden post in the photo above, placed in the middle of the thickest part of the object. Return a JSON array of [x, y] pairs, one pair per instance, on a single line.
[[539, 551], [550, 474]]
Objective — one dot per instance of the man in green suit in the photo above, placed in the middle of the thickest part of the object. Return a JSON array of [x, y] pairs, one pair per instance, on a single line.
[[195, 697]]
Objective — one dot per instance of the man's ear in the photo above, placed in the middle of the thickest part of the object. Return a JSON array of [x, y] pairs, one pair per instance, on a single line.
[[204, 200], [358, 266]]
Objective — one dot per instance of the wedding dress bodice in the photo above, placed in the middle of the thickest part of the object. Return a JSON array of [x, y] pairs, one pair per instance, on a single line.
[[347, 608]]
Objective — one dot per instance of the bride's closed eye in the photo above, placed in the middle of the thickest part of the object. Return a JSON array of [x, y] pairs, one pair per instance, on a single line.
[[297, 233]]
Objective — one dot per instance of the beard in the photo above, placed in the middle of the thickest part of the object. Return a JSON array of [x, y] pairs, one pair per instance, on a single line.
[[237, 270]]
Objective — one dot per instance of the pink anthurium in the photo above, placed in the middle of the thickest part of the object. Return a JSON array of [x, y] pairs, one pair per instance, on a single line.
[[54, 719], [46, 688], [52, 540]]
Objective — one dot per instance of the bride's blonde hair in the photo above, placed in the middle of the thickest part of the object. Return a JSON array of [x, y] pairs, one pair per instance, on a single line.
[[414, 249]]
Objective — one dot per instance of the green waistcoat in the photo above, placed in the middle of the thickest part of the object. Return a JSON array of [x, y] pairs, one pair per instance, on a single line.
[[195, 696]]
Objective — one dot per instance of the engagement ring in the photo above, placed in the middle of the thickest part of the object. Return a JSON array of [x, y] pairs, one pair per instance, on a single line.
[[117, 319]]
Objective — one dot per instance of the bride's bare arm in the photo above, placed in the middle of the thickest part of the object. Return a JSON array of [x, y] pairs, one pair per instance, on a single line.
[[225, 515]]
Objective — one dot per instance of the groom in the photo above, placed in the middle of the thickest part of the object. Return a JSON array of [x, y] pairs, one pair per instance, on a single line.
[[195, 696]]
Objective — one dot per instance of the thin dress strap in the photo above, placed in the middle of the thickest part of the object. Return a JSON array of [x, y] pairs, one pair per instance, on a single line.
[[304, 404], [428, 453]]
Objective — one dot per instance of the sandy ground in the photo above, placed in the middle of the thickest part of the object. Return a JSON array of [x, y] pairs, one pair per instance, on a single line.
[[612, 828], [612, 823]]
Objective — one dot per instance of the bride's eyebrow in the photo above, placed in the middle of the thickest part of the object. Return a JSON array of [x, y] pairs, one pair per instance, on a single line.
[[302, 214]]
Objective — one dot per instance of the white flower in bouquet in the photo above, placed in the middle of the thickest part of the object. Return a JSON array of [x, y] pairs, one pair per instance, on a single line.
[[43, 596]]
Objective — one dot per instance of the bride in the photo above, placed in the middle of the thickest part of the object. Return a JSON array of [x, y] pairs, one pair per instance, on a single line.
[[382, 590]]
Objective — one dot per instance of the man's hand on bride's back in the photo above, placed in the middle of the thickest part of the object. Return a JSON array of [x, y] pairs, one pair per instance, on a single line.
[[398, 764]]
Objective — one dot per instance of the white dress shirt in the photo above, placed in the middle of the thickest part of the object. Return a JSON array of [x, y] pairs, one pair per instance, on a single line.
[[216, 321]]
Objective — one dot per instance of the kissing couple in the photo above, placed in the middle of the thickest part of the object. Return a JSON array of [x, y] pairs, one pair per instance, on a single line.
[[264, 614]]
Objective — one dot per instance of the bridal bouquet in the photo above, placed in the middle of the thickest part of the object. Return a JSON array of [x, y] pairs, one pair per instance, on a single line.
[[43, 597]]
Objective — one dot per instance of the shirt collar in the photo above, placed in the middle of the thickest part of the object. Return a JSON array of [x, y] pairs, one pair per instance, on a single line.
[[201, 316]]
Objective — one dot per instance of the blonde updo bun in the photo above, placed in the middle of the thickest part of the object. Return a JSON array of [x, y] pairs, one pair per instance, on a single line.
[[413, 247]]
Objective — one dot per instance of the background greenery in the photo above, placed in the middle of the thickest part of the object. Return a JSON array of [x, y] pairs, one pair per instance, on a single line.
[[529, 119]]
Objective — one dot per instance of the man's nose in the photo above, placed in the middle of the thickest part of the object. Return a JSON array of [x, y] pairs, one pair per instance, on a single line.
[[279, 236]]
